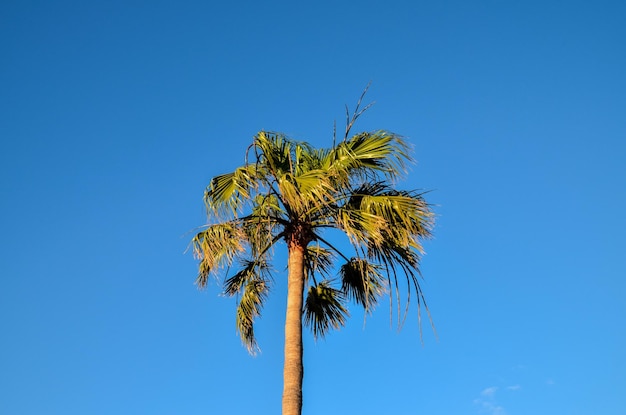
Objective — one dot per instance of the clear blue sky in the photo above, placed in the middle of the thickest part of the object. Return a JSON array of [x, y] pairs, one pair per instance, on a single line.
[[114, 116]]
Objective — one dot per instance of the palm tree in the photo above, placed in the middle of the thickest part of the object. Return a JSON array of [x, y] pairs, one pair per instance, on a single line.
[[289, 192]]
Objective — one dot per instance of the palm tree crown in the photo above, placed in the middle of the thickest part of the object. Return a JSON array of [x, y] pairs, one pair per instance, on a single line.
[[288, 191]]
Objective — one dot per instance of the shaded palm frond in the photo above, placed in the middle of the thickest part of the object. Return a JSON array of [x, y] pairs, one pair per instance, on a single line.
[[252, 270], [264, 224], [318, 260], [324, 309], [399, 262], [363, 282]]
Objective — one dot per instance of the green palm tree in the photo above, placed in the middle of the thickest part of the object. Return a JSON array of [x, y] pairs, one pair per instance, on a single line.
[[289, 192]]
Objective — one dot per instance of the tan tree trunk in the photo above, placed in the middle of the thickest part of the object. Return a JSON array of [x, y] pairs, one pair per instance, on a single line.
[[293, 369]]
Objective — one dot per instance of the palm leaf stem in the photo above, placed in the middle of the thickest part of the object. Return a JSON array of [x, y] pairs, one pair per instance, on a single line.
[[331, 246]]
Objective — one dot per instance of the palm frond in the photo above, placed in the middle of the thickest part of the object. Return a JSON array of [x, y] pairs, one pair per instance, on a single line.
[[227, 193], [359, 225], [275, 152], [318, 260], [366, 155], [252, 270], [406, 217], [400, 261], [249, 308], [363, 282], [215, 247], [263, 225], [324, 309]]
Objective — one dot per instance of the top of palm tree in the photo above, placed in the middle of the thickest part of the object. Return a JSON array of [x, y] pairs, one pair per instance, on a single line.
[[288, 191]]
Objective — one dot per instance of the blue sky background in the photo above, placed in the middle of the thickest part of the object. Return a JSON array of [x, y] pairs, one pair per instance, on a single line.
[[115, 115]]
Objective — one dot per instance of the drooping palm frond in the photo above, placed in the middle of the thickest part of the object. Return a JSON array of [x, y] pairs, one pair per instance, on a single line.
[[250, 303], [324, 309], [251, 285], [215, 247], [362, 282], [386, 227], [404, 216], [400, 261], [255, 270]]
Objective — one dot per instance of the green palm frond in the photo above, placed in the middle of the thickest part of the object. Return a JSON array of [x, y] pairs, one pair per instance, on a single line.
[[405, 216], [318, 260], [266, 206], [289, 193], [316, 186], [363, 282], [307, 193], [215, 247], [324, 309], [359, 226], [255, 270], [249, 308], [263, 226], [274, 150], [367, 154], [227, 193], [306, 158]]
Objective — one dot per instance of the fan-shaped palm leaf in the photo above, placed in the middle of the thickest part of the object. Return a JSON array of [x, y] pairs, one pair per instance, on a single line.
[[324, 309], [362, 282]]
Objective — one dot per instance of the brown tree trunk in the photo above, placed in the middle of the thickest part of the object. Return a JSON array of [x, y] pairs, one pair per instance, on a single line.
[[293, 369]]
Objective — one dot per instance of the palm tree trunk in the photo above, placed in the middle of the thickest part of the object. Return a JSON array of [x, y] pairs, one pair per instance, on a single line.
[[293, 369]]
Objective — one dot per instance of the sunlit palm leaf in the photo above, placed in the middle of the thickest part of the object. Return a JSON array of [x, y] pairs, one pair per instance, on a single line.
[[274, 151], [367, 154], [358, 225], [249, 307], [216, 246], [228, 193]]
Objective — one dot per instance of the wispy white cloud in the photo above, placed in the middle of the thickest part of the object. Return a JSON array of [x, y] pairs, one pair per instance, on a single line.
[[491, 408], [489, 392], [487, 402]]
